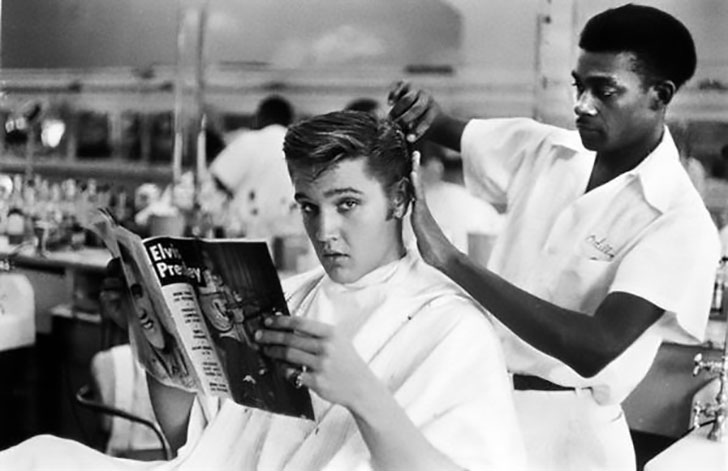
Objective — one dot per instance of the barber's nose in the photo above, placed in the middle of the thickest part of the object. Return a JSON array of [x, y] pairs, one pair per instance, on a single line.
[[584, 105], [328, 226]]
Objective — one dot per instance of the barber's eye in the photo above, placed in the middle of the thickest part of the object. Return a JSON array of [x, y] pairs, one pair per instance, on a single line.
[[606, 92]]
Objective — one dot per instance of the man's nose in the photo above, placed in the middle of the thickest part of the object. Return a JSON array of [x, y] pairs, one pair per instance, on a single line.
[[584, 105], [328, 226]]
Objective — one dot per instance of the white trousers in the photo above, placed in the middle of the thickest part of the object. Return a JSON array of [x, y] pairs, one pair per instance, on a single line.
[[567, 430]]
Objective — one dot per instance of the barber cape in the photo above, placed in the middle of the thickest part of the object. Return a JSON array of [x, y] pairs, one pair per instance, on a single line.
[[422, 336]]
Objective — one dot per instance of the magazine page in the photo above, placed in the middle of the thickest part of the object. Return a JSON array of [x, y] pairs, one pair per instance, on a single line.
[[152, 333], [237, 286], [196, 306], [103, 224], [174, 266]]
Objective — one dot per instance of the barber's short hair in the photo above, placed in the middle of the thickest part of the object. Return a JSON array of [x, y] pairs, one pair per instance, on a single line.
[[663, 46], [319, 143]]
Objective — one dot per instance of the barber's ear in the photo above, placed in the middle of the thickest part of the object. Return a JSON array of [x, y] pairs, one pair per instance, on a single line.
[[663, 93]]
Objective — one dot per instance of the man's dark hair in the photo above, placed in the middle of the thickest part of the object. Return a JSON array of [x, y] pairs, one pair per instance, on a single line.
[[274, 110], [319, 143], [662, 45]]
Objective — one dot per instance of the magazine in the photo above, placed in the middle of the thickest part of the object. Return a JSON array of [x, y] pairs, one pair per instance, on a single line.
[[198, 303]]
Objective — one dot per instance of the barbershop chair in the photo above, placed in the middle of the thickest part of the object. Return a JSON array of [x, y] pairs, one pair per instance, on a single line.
[[119, 393]]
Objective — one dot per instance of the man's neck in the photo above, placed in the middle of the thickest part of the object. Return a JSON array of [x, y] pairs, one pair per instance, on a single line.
[[610, 165]]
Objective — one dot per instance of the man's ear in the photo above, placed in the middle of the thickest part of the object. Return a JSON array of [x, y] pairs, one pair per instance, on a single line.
[[663, 93], [400, 197]]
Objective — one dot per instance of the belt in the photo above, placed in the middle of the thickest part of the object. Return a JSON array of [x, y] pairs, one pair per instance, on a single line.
[[534, 383]]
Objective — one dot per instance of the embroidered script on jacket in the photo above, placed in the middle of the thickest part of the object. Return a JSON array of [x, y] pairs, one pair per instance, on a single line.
[[604, 249]]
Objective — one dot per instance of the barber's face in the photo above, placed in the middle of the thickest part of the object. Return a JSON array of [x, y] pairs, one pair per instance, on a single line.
[[347, 216], [613, 110]]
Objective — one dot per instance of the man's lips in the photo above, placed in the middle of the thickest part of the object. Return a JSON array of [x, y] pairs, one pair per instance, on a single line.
[[586, 127], [334, 254]]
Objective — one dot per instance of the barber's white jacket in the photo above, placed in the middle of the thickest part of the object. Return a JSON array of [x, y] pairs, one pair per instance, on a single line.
[[647, 232], [254, 169]]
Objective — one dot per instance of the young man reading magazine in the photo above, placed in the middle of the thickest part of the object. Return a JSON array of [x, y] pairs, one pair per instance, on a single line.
[[404, 370]]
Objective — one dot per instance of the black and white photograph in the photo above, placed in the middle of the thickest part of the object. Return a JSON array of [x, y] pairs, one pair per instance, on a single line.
[[372, 235]]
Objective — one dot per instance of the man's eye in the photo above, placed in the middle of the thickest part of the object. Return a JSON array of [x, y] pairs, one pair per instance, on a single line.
[[348, 205], [579, 87], [307, 208], [606, 92]]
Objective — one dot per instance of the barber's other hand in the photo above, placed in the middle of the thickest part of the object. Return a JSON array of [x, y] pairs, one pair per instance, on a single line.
[[114, 299], [435, 248], [413, 109], [333, 368]]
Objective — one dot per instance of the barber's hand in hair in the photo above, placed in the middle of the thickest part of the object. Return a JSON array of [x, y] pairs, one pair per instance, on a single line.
[[413, 109], [114, 298], [434, 247], [330, 365]]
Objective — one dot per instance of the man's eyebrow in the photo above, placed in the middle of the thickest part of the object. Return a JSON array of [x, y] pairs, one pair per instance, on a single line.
[[341, 191], [329, 193], [596, 79]]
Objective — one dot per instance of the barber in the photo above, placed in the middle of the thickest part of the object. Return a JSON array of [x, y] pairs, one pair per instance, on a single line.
[[607, 249]]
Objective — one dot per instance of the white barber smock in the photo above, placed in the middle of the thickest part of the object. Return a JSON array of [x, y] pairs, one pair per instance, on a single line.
[[419, 333], [254, 169], [646, 232]]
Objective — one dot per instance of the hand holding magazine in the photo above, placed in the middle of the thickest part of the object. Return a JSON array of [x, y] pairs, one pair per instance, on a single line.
[[197, 304]]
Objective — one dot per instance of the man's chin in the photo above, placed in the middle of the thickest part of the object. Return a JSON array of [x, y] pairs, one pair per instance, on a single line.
[[338, 273], [342, 277], [590, 141]]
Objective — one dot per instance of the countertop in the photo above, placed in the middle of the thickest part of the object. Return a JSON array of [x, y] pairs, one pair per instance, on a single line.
[[695, 451], [87, 258]]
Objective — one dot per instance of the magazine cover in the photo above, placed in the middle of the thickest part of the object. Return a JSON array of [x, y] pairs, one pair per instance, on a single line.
[[197, 304]]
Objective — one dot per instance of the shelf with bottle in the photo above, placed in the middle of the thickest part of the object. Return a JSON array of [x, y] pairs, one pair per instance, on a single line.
[[52, 214]]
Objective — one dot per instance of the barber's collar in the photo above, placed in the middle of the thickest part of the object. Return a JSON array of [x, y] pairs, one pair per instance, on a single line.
[[657, 172], [654, 173]]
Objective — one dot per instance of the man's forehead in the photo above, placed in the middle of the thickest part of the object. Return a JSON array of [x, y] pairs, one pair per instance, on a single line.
[[603, 65], [313, 172], [343, 176]]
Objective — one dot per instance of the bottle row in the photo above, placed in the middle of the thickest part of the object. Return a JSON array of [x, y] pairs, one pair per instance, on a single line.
[[34, 207]]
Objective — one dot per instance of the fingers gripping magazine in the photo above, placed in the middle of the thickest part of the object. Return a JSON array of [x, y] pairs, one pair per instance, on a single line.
[[196, 305]]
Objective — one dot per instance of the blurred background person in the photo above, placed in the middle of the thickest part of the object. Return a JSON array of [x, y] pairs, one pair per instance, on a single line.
[[682, 135], [470, 223], [367, 105], [252, 171]]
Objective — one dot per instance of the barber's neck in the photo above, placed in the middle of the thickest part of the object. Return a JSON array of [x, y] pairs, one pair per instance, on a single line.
[[610, 164]]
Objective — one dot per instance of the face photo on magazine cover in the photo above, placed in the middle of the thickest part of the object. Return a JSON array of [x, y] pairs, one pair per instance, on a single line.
[[156, 346]]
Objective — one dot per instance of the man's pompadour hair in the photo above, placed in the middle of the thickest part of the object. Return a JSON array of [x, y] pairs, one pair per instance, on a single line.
[[320, 142]]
